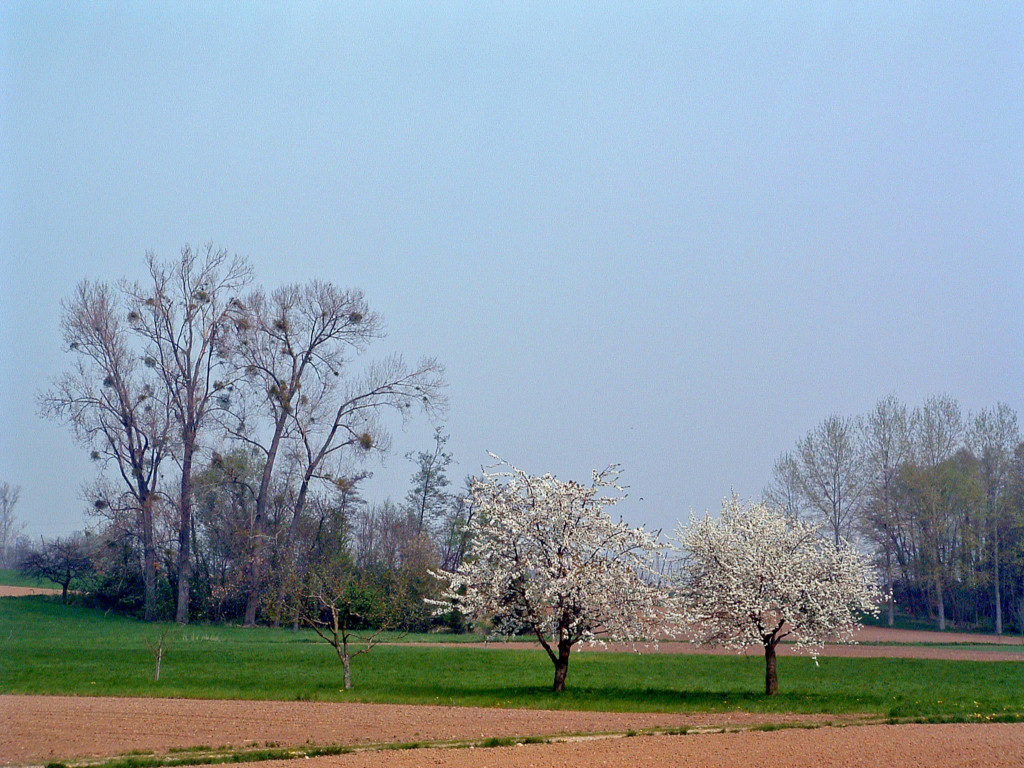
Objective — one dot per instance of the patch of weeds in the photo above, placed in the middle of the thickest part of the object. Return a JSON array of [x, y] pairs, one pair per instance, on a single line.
[[1007, 718], [406, 745], [497, 741], [783, 726], [681, 730]]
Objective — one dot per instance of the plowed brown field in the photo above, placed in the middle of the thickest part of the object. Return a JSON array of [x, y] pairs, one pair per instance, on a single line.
[[40, 729]]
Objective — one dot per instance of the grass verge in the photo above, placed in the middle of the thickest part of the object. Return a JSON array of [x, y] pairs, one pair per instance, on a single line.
[[49, 648]]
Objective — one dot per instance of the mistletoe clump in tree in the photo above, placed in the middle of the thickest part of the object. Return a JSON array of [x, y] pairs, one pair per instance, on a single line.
[[546, 558], [755, 576]]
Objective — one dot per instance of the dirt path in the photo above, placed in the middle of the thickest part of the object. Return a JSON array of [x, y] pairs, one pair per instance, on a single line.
[[8, 591]]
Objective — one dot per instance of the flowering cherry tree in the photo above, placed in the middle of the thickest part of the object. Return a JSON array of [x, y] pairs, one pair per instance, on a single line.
[[546, 558], [754, 576]]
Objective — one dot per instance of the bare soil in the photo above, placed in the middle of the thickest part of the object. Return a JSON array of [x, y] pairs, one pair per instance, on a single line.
[[49, 728], [39, 729], [875, 746]]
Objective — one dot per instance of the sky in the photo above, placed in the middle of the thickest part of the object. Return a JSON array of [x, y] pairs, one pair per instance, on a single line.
[[674, 237]]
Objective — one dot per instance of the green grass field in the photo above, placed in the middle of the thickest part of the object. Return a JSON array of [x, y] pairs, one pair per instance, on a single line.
[[49, 648], [13, 578]]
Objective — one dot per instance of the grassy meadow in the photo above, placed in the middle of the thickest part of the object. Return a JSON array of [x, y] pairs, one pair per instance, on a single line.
[[50, 648]]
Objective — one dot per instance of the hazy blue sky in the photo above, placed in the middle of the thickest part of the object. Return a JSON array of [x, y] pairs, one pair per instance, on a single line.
[[674, 237]]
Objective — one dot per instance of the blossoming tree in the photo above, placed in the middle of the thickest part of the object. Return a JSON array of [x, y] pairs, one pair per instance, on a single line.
[[546, 558], [755, 576]]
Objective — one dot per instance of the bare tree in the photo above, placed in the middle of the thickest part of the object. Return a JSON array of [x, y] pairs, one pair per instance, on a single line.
[[349, 608], [186, 313], [785, 491], [294, 349], [939, 431], [993, 437], [60, 560], [114, 406], [456, 527], [10, 528], [345, 415], [887, 441], [830, 471], [291, 343]]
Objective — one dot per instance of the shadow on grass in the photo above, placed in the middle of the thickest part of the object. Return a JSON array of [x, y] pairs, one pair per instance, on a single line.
[[610, 698]]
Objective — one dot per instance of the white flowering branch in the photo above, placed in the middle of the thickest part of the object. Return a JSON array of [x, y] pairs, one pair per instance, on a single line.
[[755, 576], [546, 558]]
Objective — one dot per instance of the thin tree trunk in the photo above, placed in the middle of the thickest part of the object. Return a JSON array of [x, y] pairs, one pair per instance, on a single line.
[[995, 578], [185, 532], [771, 677], [941, 602], [148, 560], [891, 607], [343, 654]]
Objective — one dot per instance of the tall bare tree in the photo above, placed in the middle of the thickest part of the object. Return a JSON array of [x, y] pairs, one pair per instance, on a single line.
[[830, 470], [454, 536], [785, 490], [299, 399], [10, 528], [293, 342], [887, 442], [114, 406], [187, 313], [993, 437], [939, 432]]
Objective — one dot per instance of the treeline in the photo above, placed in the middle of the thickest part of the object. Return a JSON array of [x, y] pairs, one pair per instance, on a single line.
[[229, 425], [934, 493]]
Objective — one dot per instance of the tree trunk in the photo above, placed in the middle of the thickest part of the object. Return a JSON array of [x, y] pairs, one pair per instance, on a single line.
[[288, 554], [252, 599], [158, 656], [185, 532], [148, 560], [562, 665], [891, 601], [941, 602], [771, 677], [995, 578], [343, 654], [250, 607]]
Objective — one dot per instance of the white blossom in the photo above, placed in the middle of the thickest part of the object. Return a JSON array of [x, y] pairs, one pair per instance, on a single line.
[[754, 576], [546, 558]]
